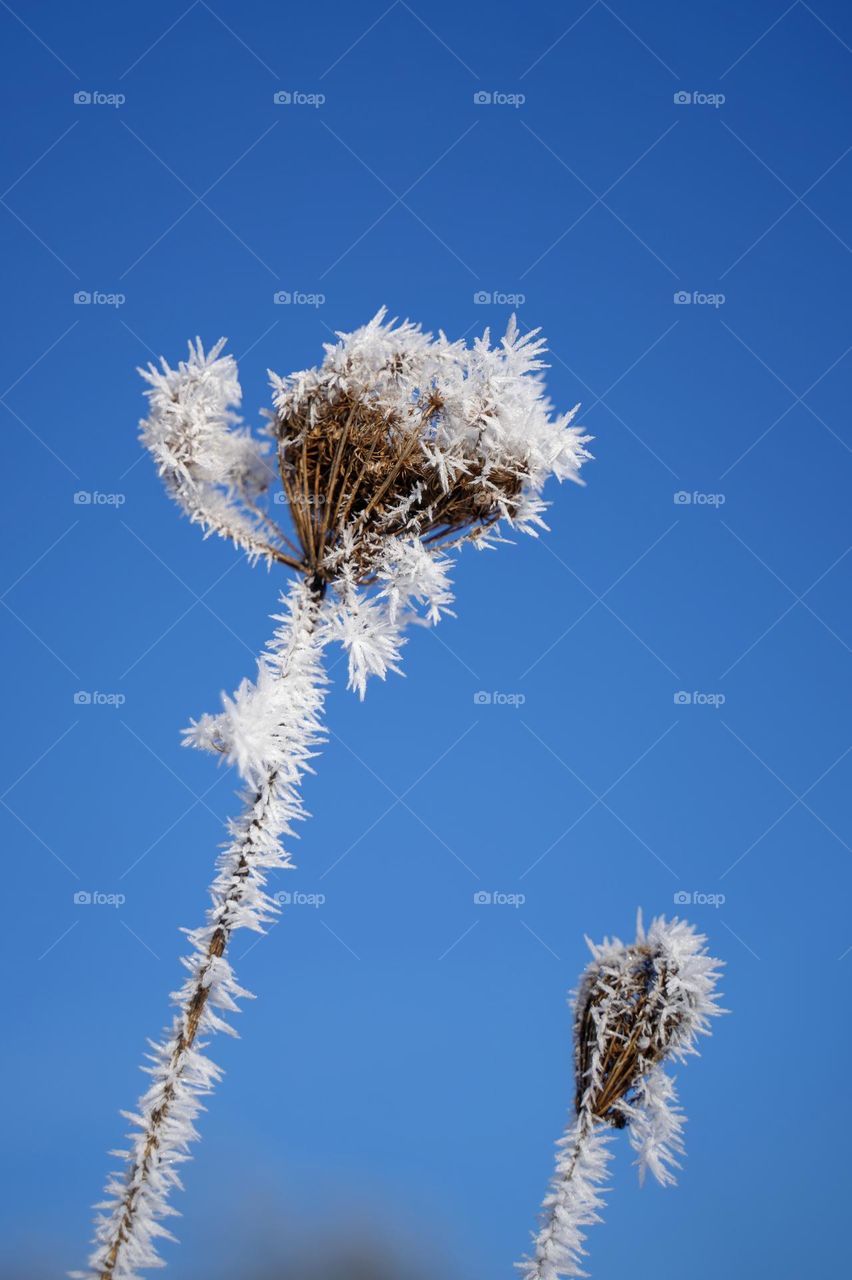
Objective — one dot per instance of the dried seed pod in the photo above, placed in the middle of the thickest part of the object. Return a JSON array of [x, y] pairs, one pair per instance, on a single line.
[[623, 1026], [637, 1005]]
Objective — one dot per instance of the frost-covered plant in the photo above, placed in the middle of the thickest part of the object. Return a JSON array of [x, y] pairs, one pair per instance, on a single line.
[[397, 448], [637, 1005]]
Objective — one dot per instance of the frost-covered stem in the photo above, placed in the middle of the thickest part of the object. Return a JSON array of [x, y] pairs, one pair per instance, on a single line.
[[573, 1203], [188, 1023], [138, 1200]]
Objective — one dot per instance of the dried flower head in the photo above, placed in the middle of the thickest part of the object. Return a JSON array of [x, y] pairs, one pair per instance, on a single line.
[[397, 447], [401, 434], [638, 1004]]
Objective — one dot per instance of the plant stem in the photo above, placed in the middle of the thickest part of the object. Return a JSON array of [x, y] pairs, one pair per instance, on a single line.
[[573, 1202], [187, 1035], [164, 1126]]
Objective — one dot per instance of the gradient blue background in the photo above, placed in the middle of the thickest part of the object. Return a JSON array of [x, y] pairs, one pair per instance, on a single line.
[[406, 1067]]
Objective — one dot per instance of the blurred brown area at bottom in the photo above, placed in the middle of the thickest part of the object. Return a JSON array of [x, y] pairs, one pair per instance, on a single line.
[[340, 1261]]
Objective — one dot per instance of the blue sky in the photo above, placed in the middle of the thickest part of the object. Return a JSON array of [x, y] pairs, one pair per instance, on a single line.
[[406, 1066]]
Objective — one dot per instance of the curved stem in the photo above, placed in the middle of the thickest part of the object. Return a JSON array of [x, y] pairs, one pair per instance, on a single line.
[[573, 1203], [139, 1199], [185, 1039]]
